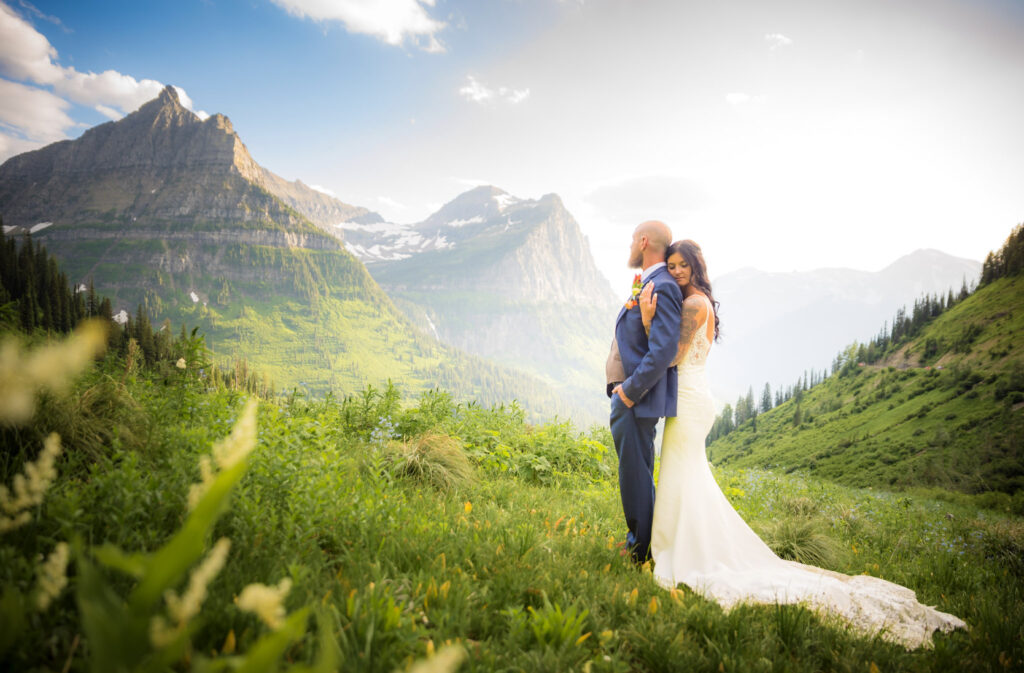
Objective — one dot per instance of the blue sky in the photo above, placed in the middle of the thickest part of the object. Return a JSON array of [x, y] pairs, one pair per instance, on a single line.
[[789, 134]]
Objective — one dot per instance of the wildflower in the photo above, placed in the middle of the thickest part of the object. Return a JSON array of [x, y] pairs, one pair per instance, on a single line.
[[48, 367], [240, 442], [29, 487], [468, 507], [52, 576], [447, 659], [652, 607], [183, 608], [266, 602], [226, 453], [180, 364]]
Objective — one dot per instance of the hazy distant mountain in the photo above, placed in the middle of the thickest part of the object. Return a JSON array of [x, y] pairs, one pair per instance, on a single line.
[[165, 209], [776, 325], [942, 408], [509, 279]]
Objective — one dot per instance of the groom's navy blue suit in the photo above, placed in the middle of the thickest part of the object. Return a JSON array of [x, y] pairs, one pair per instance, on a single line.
[[651, 384]]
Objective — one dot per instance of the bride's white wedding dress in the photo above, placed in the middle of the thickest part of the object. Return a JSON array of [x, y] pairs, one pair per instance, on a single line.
[[698, 539]]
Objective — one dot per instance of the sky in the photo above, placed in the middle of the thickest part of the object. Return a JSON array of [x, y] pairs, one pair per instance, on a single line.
[[783, 135]]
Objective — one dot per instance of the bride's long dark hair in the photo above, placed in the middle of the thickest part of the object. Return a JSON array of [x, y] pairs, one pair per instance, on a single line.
[[691, 252]]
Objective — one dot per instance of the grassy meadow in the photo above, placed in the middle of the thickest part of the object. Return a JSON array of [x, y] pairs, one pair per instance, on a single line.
[[392, 534]]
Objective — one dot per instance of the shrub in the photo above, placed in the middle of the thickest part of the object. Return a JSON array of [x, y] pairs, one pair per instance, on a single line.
[[798, 539], [434, 459], [800, 506]]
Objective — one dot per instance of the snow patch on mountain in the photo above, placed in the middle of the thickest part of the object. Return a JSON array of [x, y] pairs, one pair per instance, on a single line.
[[476, 219], [504, 201]]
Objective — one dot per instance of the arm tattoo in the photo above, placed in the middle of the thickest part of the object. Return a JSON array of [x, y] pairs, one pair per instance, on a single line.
[[691, 310]]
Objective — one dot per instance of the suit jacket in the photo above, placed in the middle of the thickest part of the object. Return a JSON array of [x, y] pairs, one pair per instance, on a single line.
[[647, 359]]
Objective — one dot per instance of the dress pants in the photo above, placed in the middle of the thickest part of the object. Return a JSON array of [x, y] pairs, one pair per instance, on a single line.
[[634, 444]]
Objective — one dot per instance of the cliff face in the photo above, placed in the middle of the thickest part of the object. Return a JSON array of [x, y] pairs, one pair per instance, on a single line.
[[509, 279], [162, 162], [165, 209]]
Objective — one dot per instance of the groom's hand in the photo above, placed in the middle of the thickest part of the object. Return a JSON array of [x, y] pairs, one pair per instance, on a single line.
[[622, 396]]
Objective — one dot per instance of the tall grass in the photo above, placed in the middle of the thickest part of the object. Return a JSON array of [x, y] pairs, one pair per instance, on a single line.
[[516, 565]]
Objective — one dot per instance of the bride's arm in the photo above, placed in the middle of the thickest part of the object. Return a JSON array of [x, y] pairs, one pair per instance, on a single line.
[[693, 317]]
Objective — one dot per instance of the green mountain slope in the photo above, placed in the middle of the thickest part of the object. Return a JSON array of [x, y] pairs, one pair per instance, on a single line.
[[165, 210], [507, 279], [945, 409]]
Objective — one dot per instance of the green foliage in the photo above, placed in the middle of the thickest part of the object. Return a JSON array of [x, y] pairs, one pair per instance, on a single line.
[[950, 421], [522, 572]]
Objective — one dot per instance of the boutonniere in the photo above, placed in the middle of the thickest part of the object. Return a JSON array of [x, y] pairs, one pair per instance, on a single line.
[[635, 292]]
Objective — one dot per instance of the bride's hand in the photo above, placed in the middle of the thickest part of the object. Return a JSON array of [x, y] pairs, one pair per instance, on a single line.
[[648, 303]]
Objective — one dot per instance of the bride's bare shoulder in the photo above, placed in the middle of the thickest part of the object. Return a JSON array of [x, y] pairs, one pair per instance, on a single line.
[[696, 306]]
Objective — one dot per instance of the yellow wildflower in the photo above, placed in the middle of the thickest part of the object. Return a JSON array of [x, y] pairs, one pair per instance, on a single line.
[[227, 452], [265, 602], [183, 608], [652, 607], [50, 367], [52, 576], [447, 660], [236, 446], [180, 364], [30, 486], [468, 507]]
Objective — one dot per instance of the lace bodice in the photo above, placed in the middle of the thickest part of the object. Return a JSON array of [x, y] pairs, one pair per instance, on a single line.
[[697, 353]]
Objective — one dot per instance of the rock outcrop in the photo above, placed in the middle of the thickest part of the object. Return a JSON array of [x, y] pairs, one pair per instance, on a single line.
[[512, 280], [160, 163]]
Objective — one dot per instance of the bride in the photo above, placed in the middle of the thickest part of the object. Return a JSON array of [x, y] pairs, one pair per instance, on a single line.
[[699, 540]]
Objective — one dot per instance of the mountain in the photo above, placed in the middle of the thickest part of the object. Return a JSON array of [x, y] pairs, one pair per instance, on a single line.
[[161, 163], [945, 408], [508, 279], [170, 212], [776, 325]]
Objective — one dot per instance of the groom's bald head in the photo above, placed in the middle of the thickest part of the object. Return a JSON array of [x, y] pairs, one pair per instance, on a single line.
[[650, 241], [659, 236]]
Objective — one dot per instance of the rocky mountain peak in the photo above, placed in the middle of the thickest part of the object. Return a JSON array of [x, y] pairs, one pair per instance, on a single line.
[[163, 112]]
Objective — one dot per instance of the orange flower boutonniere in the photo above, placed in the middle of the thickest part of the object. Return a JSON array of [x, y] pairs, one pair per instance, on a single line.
[[635, 292]]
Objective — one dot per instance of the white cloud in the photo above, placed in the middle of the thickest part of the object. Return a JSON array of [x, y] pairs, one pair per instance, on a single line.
[[388, 20], [737, 98], [776, 40], [109, 112], [634, 198], [477, 92], [470, 182], [31, 113], [35, 114], [391, 203], [25, 54], [39, 14]]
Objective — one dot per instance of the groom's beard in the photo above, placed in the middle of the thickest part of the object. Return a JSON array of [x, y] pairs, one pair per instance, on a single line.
[[636, 261]]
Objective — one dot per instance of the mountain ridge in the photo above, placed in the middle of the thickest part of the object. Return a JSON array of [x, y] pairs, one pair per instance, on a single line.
[[170, 212], [777, 324], [943, 409], [505, 278]]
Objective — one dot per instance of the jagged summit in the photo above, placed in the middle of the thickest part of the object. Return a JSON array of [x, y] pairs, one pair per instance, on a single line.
[[161, 162]]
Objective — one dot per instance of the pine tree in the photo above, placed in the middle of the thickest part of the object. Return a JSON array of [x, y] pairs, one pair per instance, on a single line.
[[766, 398]]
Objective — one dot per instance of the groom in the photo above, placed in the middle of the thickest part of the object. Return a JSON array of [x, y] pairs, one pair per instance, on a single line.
[[641, 384]]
